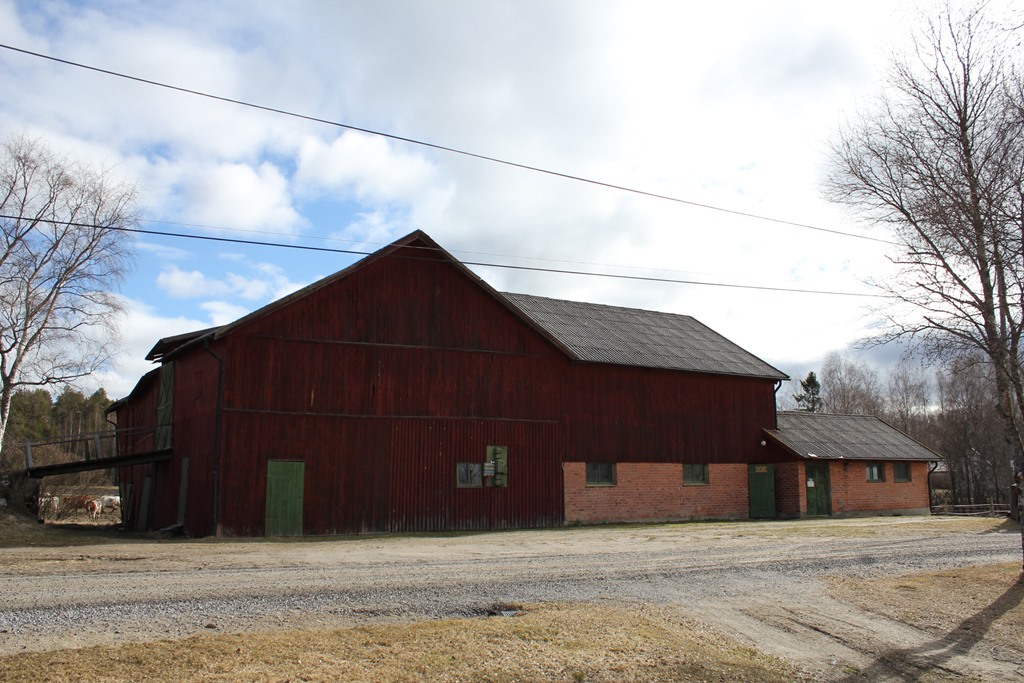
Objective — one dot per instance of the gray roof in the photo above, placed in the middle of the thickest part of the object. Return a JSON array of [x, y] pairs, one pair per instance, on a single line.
[[629, 336], [850, 437]]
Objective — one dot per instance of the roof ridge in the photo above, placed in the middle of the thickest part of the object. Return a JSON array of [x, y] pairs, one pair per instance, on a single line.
[[592, 304], [640, 337]]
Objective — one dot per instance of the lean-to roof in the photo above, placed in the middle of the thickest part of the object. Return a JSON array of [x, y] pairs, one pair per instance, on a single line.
[[845, 437]]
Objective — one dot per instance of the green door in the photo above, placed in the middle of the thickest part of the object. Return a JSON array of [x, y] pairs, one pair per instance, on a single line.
[[284, 497], [761, 484], [819, 493]]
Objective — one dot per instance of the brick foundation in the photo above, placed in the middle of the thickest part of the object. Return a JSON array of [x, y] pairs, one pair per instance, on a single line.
[[649, 492]]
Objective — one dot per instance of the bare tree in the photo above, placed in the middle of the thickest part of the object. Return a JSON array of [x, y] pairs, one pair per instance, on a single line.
[[850, 387], [969, 433], [909, 398], [941, 163], [62, 259]]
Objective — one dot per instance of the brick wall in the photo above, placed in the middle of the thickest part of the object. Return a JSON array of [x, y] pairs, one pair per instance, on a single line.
[[655, 492], [790, 492], [852, 493]]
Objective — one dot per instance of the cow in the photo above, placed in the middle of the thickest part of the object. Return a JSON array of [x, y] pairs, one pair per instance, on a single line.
[[71, 505], [48, 506], [94, 507], [112, 503]]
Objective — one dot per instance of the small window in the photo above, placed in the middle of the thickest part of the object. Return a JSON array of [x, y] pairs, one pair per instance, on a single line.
[[695, 475], [469, 475], [876, 471], [901, 471], [600, 474]]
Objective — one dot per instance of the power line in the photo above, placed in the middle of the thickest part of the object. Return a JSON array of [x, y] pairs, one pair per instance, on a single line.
[[558, 271], [322, 238], [444, 148]]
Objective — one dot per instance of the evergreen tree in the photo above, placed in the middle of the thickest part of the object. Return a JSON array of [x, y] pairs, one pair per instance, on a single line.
[[810, 399]]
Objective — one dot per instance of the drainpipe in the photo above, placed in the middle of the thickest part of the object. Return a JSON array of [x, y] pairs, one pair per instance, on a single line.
[[215, 520], [778, 385], [931, 468]]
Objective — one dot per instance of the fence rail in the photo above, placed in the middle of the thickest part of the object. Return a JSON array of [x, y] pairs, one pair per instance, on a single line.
[[973, 510], [109, 444]]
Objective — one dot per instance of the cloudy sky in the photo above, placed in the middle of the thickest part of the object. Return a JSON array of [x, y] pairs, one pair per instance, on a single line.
[[730, 105]]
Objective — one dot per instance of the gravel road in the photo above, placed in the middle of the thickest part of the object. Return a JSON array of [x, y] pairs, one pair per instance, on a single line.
[[759, 582]]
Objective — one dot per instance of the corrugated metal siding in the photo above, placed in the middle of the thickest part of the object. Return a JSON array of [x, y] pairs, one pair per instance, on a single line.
[[413, 298], [332, 378], [195, 405], [620, 414], [137, 419], [375, 382], [423, 489], [193, 417], [394, 474]]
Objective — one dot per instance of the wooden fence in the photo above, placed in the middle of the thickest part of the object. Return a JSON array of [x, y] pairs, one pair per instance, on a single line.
[[974, 510]]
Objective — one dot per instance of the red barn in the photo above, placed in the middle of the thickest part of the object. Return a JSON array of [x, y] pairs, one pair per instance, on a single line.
[[405, 394]]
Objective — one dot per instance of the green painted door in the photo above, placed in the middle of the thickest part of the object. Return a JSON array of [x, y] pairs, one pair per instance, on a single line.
[[819, 492], [761, 484], [284, 497]]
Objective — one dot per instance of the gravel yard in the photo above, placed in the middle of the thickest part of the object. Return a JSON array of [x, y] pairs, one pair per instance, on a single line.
[[764, 584]]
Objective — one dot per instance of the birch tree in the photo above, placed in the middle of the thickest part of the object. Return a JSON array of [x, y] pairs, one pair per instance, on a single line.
[[849, 386], [62, 259], [939, 161]]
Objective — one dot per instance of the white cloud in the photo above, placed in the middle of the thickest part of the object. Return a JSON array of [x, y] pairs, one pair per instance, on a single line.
[[266, 283], [187, 284], [222, 312], [161, 251], [240, 196], [369, 166], [728, 104], [142, 328]]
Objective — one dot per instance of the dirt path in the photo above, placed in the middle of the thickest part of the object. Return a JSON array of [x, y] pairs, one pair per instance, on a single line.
[[764, 584], [838, 642]]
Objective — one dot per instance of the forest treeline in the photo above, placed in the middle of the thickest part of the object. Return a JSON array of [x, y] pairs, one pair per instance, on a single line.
[[952, 410], [37, 415]]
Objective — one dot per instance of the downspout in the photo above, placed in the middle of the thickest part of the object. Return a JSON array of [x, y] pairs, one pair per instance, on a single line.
[[931, 468], [775, 408], [215, 519]]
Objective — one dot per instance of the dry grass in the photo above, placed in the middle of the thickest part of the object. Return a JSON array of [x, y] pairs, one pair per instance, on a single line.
[[964, 605], [22, 531], [574, 643], [849, 527]]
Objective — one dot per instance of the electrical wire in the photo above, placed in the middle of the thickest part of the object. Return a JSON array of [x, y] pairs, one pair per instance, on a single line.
[[160, 221], [558, 271], [444, 148]]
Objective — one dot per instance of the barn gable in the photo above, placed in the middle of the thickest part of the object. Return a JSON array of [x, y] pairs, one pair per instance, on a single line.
[[406, 294]]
